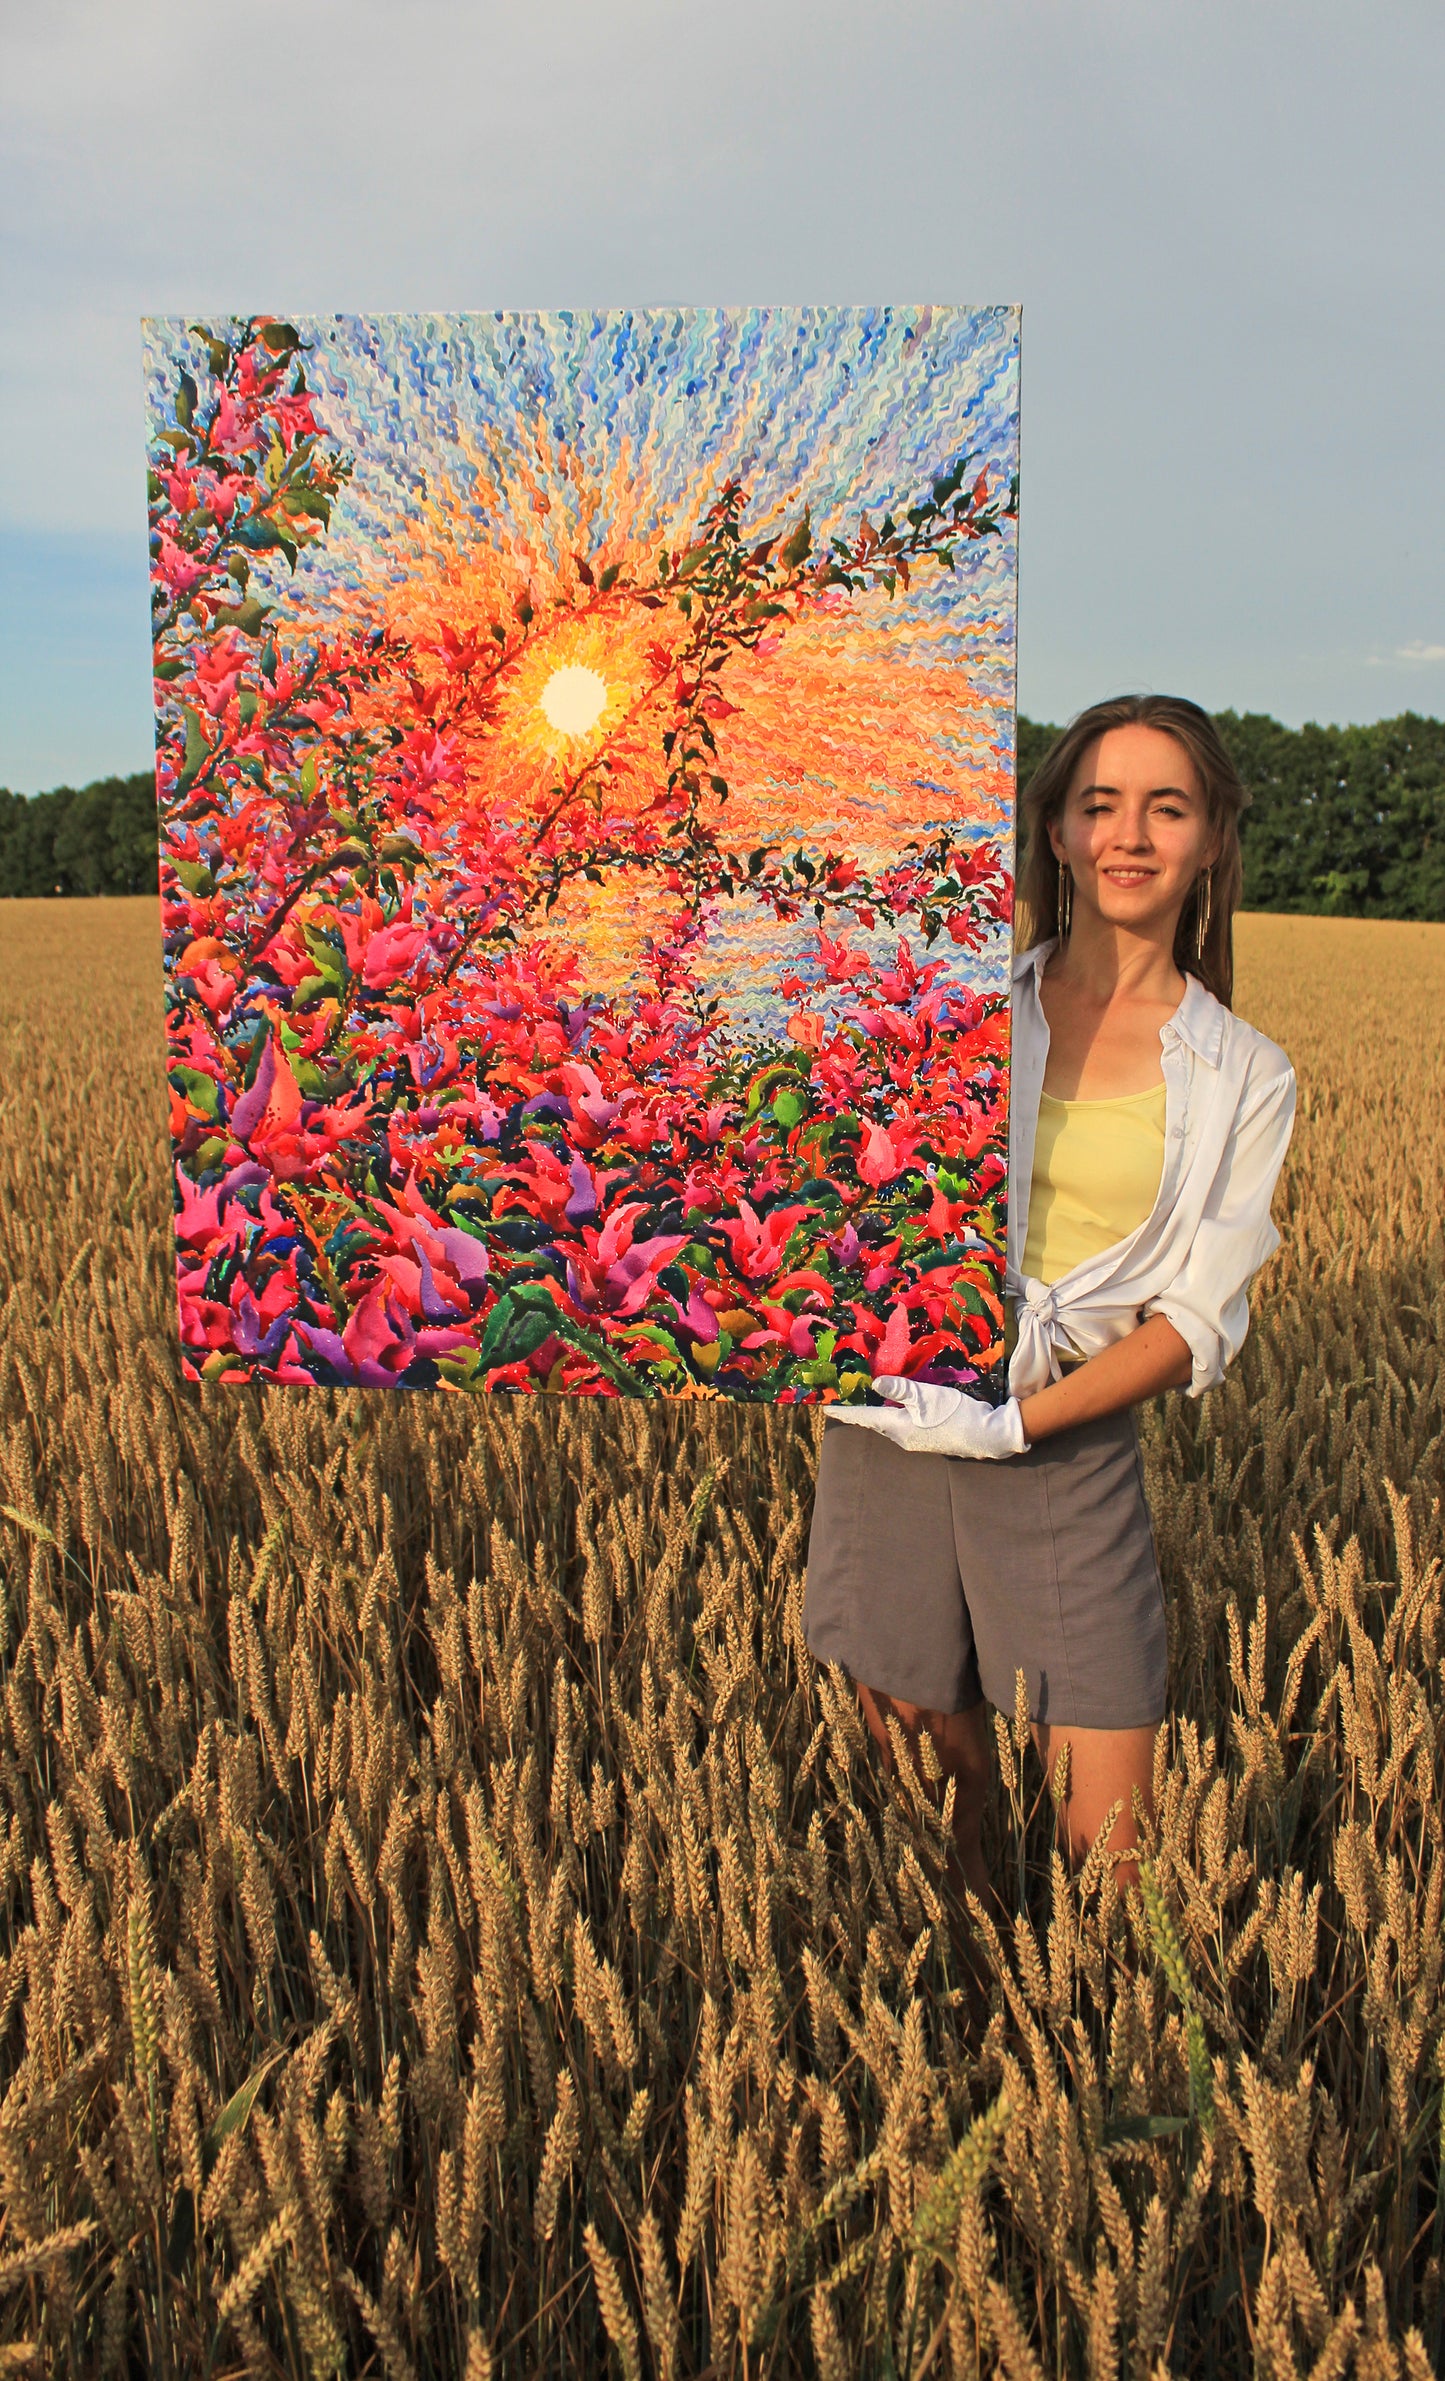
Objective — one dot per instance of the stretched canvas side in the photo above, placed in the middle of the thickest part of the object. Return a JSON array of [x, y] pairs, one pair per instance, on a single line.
[[585, 767]]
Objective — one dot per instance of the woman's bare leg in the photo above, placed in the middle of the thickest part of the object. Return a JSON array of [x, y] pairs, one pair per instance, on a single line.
[[960, 1739], [1105, 1767]]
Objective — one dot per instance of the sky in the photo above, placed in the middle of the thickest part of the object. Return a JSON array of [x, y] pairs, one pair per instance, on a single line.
[[1224, 220]]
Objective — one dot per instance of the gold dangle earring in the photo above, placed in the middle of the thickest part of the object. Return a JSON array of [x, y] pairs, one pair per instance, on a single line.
[[1201, 917], [1066, 901]]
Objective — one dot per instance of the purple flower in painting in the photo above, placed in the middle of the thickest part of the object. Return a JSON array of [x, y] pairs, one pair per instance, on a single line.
[[581, 1208], [699, 1318], [435, 1309], [611, 1275], [251, 1106], [251, 1338], [465, 1255]]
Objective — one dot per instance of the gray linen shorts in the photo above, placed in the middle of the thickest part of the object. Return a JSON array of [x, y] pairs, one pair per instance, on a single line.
[[935, 1578]]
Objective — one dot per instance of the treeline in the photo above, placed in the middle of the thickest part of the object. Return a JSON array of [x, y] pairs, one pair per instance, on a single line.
[[1348, 822], [99, 839], [1344, 822]]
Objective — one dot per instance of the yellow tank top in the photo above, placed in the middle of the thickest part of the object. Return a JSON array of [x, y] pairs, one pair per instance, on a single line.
[[1096, 1174]]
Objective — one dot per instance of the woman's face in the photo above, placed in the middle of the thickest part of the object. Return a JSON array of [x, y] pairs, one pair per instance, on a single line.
[[1134, 829]]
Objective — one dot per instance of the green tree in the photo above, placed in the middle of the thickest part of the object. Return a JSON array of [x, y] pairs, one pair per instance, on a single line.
[[1343, 821], [1034, 738], [98, 839]]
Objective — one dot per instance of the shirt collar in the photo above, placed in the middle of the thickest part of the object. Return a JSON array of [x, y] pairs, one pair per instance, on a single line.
[[1198, 1020]]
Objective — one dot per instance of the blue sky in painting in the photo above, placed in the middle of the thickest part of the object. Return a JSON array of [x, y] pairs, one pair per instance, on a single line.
[[847, 411], [1223, 222]]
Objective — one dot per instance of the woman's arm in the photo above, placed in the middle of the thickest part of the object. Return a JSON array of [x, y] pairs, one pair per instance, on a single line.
[[927, 1418], [1208, 1301], [1152, 1357]]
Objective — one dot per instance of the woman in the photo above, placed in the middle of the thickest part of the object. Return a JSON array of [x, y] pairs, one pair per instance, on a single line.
[[954, 1542]]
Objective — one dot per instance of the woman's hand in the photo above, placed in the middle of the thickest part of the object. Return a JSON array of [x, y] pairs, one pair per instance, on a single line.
[[924, 1418]]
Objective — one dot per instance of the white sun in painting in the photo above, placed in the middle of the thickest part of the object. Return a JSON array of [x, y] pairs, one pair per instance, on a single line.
[[574, 699]]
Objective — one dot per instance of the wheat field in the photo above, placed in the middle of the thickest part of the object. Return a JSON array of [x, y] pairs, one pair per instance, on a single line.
[[449, 1928]]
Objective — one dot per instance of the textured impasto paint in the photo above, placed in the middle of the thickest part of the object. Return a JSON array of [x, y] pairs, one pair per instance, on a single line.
[[585, 765]]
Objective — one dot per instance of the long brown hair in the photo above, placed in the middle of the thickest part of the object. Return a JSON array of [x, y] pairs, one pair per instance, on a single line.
[[1042, 803]]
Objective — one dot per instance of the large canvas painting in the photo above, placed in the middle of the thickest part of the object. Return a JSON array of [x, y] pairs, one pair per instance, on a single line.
[[585, 768]]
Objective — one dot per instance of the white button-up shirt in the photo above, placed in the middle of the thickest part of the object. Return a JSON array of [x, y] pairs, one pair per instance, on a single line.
[[1228, 1113]]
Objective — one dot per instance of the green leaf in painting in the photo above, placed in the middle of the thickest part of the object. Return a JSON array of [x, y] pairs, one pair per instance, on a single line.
[[249, 618], [197, 749], [799, 545], [259, 533], [199, 1089], [306, 500], [516, 1330]]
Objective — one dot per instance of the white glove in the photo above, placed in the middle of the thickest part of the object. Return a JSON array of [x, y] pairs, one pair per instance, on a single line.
[[924, 1418]]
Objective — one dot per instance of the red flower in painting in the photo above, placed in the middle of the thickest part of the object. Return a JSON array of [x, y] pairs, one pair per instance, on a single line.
[[757, 1242]]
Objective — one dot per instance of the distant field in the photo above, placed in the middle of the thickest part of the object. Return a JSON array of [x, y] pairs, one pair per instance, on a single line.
[[448, 1928]]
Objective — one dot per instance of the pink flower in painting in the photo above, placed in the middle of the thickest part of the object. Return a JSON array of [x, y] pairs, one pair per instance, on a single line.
[[222, 494], [392, 954], [976, 1124], [261, 1327], [378, 1332], [886, 1151], [218, 673], [758, 1242], [214, 988], [427, 759], [989, 1175], [794, 1332], [881, 1267], [840, 960], [638, 1127], [892, 1351], [590, 1106], [608, 1274], [273, 1102], [178, 571]]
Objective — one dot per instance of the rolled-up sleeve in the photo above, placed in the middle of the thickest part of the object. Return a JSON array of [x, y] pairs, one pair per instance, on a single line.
[[1208, 1300]]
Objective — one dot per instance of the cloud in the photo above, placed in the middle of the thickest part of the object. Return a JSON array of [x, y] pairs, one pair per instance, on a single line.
[[1417, 650]]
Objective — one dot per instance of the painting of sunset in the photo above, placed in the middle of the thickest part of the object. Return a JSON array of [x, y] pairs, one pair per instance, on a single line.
[[585, 770]]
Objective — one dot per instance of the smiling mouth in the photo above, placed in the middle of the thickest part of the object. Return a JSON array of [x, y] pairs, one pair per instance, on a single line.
[[1128, 876]]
